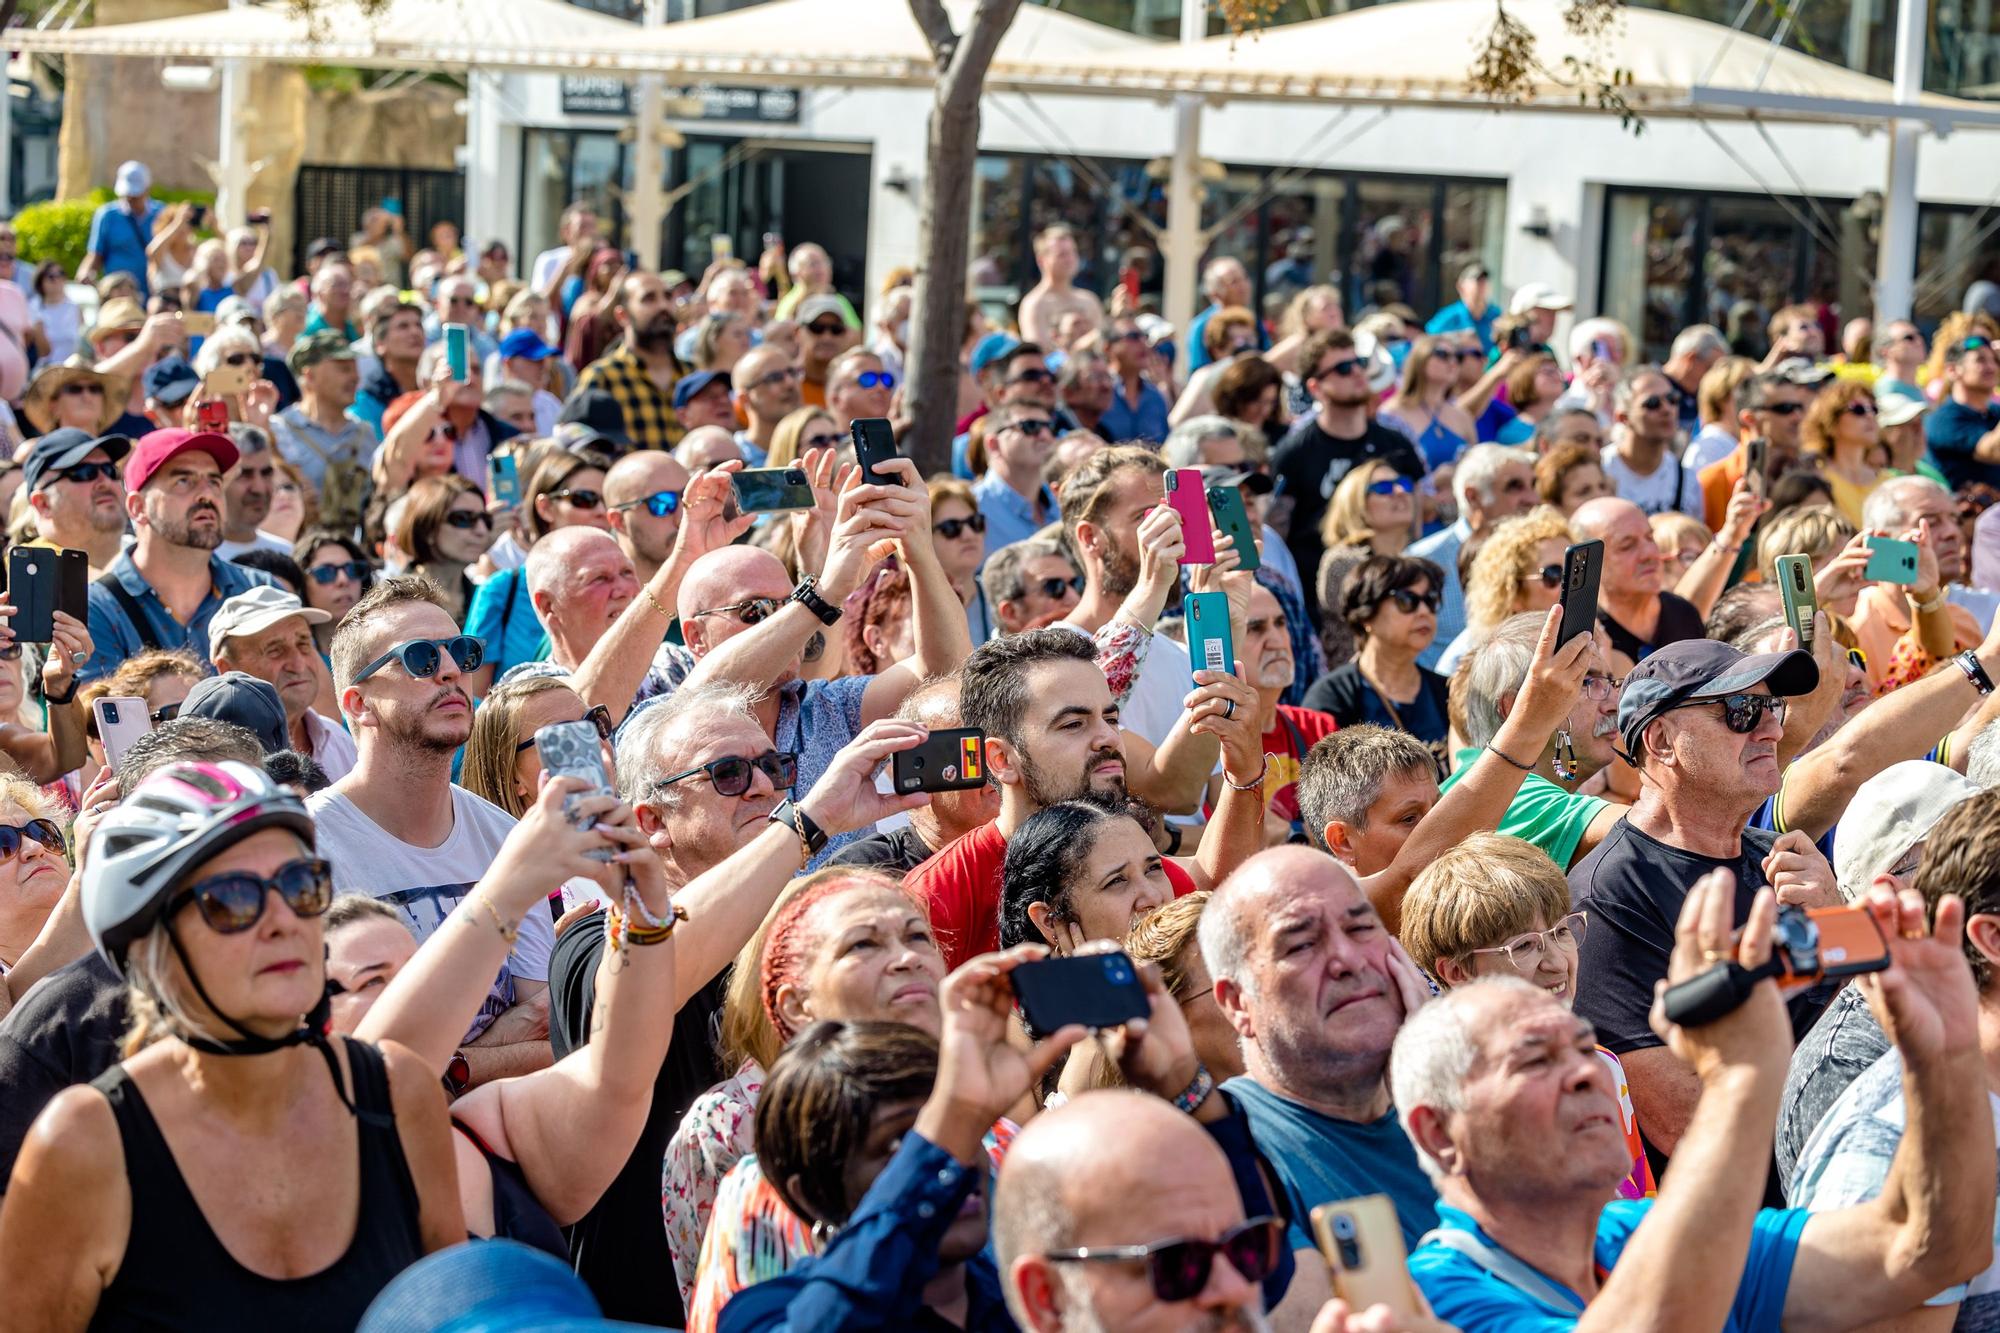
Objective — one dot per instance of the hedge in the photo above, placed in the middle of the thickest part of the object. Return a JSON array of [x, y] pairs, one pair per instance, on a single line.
[[59, 229]]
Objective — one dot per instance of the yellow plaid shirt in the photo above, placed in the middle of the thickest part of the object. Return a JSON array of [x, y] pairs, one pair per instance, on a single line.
[[648, 409]]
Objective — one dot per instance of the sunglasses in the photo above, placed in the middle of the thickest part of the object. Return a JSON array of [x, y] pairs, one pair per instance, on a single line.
[[234, 902], [659, 504], [1407, 602], [1653, 402], [1032, 427], [1347, 367], [1033, 377], [582, 499], [165, 713], [875, 379], [1973, 344], [821, 442], [1551, 576], [44, 831], [778, 377], [238, 359], [751, 610], [951, 529], [1861, 407], [328, 575], [1129, 336], [1393, 486], [467, 519], [1053, 589], [826, 330], [85, 473], [77, 387], [422, 657], [730, 775], [1179, 1269], [597, 716], [1742, 712], [1857, 659], [1784, 409], [11, 653]]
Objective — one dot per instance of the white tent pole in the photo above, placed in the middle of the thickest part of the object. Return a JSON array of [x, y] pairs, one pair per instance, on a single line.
[[232, 178], [6, 138], [1896, 263], [1182, 251], [645, 202]]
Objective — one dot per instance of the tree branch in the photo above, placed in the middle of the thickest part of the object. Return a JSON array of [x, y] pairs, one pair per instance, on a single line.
[[936, 27]]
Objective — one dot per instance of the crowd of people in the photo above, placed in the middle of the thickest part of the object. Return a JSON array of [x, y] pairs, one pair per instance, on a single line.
[[338, 987]]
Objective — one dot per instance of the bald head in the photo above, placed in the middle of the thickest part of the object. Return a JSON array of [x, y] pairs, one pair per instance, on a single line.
[[1234, 914], [727, 577], [553, 559], [706, 446], [933, 704], [1594, 518], [640, 474]]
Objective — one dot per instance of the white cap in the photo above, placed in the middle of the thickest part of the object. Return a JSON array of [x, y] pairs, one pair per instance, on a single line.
[[1537, 296], [1893, 409], [133, 180], [256, 610], [1891, 813]]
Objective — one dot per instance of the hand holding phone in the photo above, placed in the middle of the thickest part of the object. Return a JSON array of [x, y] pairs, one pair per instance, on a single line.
[[574, 750], [1583, 566], [121, 720], [1211, 647], [1362, 1243], [768, 489], [212, 415], [1092, 990], [42, 580], [1189, 498], [1756, 462], [1232, 520], [951, 760], [874, 443], [1795, 584], [503, 478], [1891, 561], [457, 351]]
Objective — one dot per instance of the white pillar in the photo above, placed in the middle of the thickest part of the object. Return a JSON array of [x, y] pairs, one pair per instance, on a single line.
[[485, 216], [1181, 254], [645, 202], [7, 157], [232, 178], [1896, 262]]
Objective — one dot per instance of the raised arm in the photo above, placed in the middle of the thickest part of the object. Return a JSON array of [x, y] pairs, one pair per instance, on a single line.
[[937, 617], [1705, 579], [1225, 707]]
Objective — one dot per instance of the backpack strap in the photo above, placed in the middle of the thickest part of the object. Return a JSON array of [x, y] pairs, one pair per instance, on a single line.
[[133, 611], [1505, 1267]]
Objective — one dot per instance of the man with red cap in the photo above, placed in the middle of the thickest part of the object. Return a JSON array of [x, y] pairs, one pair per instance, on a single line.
[[163, 590]]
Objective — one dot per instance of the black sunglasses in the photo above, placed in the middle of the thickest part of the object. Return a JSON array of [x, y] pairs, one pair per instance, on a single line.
[[582, 499], [165, 713], [1054, 588], [597, 715], [328, 575], [730, 775], [45, 831], [1347, 367], [1033, 377], [86, 473], [827, 330], [233, 902], [11, 653], [1742, 712], [951, 529], [1861, 407], [1653, 402], [1552, 576], [467, 519], [1032, 427], [751, 610], [659, 504], [1179, 1268], [422, 657], [1407, 601], [1784, 409], [238, 359], [824, 441]]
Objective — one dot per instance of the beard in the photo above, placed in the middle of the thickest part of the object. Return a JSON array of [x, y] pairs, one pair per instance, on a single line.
[[106, 519], [182, 531], [1080, 1315], [420, 731], [1043, 789], [1121, 569], [655, 333]]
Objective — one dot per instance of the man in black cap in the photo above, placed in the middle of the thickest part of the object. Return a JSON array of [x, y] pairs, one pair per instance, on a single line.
[[1701, 722], [592, 419], [169, 382], [74, 488], [243, 699]]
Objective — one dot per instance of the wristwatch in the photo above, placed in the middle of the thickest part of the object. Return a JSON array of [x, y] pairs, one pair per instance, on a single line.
[[807, 595], [1968, 662], [811, 836], [457, 1074]]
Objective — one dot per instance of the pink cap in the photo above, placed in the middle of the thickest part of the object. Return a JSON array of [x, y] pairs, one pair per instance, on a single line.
[[156, 447]]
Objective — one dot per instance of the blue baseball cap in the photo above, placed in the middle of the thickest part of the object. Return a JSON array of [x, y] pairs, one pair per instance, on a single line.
[[526, 343], [1695, 670], [690, 385], [496, 1286], [170, 380], [991, 348]]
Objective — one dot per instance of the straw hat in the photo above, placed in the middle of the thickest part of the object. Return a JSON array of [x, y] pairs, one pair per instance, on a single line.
[[38, 404]]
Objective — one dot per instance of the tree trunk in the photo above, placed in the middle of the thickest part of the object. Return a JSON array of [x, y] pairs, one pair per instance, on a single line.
[[944, 223]]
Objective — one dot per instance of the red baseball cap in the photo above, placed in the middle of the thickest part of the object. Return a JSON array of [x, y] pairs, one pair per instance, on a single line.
[[156, 447]]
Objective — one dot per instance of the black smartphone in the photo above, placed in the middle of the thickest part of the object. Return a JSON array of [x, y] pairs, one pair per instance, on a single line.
[[43, 580], [764, 489], [1097, 990], [946, 761], [1517, 338], [1756, 457], [874, 442], [1583, 564]]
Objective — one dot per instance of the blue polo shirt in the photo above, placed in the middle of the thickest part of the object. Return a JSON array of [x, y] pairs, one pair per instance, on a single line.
[[1009, 518], [1143, 420], [1465, 1295], [115, 636], [119, 240]]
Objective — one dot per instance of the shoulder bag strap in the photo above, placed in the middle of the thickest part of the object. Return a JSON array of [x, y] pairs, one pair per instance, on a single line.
[[133, 611], [1504, 1267]]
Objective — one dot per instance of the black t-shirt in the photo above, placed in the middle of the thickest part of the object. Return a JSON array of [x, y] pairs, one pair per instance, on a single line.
[[620, 1245], [896, 853], [1309, 464], [66, 1030], [1678, 620]]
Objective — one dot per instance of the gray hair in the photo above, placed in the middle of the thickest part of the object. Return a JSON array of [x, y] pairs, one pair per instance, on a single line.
[[1884, 506], [1628, 387], [1587, 332], [1982, 757], [1225, 932], [505, 389], [1479, 467], [1342, 775], [249, 439], [1435, 1052], [229, 338], [1497, 668], [1183, 446], [1211, 275], [1698, 340], [1004, 576], [286, 297], [641, 740]]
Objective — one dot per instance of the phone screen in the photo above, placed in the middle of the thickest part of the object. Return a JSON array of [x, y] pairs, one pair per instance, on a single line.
[[761, 490]]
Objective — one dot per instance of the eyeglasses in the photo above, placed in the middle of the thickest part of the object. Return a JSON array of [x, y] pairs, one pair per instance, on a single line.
[[231, 903], [11, 653], [597, 715], [238, 359], [85, 473], [582, 499], [1742, 712], [1032, 377], [1347, 367], [1861, 407], [1053, 589], [1129, 336], [1407, 602], [422, 657], [1032, 427], [328, 575], [1179, 1268], [827, 441], [467, 519], [165, 713], [751, 610], [1525, 952], [659, 504], [1783, 409], [827, 330], [1974, 343], [875, 379], [1857, 658], [1551, 576], [730, 775], [1598, 688], [44, 831], [788, 373], [951, 529], [1393, 486]]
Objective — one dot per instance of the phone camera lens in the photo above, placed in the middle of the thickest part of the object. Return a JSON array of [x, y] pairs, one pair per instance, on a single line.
[[1343, 1227], [916, 761], [111, 714]]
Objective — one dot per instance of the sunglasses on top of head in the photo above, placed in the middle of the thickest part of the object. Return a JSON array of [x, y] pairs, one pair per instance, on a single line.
[[233, 902], [597, 716], [422, 657]]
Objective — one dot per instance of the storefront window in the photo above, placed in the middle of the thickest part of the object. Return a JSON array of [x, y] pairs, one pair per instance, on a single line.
[[999, 250], [1394, 228], [1648, 249], [1956, 247]]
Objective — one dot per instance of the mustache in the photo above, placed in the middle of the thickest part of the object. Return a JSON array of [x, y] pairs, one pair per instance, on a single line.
[[204, 507], [1102, 753], [1605, 726], [446, 693]]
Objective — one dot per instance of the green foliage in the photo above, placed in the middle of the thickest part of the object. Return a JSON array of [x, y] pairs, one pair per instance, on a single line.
[[59, 229]]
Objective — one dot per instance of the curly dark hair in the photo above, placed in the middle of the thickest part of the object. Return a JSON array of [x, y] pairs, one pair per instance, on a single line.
[[1371, 582]]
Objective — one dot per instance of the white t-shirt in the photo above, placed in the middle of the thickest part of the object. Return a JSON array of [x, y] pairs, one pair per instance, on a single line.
[[332, 748], [547, 264], [427, 884], [1672, 485]]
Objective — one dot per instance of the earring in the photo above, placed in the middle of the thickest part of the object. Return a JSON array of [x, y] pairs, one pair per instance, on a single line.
[[1564, 760]]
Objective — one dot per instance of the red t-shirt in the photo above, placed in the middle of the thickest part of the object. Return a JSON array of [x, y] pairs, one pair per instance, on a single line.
[[960, 887], [1287, 747]]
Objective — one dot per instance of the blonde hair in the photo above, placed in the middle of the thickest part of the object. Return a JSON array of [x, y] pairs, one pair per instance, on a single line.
[[1506, 561], [1292, 324], [488, 771], [784, 450], [1167, 936], [944, 488], [1715, 396], [1810, 530], [1480, 894], [1346, 520], [1673, 527]]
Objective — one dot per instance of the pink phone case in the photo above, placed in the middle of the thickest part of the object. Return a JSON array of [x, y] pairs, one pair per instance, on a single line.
[[1186, 495]]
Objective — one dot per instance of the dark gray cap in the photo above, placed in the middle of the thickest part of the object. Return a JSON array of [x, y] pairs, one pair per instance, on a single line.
[[235, 696]]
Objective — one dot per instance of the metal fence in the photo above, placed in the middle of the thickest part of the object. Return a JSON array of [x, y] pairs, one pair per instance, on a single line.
[[329, 201]]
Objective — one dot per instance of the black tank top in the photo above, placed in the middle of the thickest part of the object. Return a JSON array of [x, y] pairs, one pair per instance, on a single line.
[[517, 1213], [176, 1276]]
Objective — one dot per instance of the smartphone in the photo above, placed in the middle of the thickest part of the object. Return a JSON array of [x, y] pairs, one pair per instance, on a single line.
[[720, 246], [1128, 278], [947, 761], [1206, 615], [1602, 350], [1189, 498], [1232, 519], [774, 240], [1363, 1246], [457, 351], [1795, 585], [43, 580], [121, 720], [1518, 338], [874, 442], [212, 414], [198, 323], [226, 381], [1583, 565], [1850, 943], [574, 750], [197, 215], [764, 489], [1756, 458], [1891, 561], [503, 478], [1097, 990]]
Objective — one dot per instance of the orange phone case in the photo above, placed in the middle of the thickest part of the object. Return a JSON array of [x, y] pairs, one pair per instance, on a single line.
[[1850, 942], [1362, 1243]]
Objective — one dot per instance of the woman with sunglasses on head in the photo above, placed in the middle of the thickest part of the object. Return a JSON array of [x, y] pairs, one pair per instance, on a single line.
[[958, 531], [1390, 602], [443, 530], [1518, 568], [1373, 512], [1840, 433], [1422, 406], [239, 1169], [565, 490]]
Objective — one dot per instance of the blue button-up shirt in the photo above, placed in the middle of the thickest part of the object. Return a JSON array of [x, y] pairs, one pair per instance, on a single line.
[[117, 638], [1009, 518], [119, 240], [1143, 420]]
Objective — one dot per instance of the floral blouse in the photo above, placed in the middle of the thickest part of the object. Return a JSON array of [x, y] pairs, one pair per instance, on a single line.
[[716, 1134]]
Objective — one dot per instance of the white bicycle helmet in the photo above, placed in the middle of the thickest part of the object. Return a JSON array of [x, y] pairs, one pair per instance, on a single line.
[[177, 818]]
